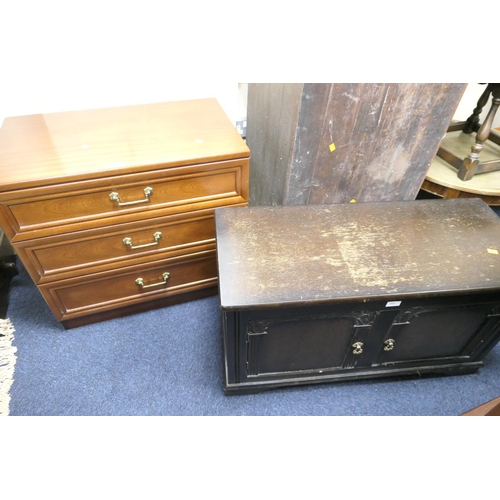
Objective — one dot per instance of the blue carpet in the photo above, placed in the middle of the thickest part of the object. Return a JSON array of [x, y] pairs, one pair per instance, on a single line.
[[169, 362]]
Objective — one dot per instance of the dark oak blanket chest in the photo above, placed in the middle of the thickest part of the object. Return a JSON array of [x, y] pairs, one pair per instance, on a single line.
[[313, 294]]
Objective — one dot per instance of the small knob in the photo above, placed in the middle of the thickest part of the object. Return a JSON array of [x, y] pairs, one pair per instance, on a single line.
[[358, 347], [389, 345]]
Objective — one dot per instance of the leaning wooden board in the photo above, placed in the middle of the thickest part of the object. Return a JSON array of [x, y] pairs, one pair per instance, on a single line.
[[315, 143]]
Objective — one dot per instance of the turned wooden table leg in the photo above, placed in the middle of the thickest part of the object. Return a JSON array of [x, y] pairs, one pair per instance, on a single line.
[[470, 164], [472, 123]]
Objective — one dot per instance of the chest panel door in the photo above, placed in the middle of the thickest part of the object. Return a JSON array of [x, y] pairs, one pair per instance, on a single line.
[[282, 345], [438, 333], [293, 343]]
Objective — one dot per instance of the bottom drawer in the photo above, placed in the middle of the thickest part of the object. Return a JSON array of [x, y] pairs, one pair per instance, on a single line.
[[100, 292]]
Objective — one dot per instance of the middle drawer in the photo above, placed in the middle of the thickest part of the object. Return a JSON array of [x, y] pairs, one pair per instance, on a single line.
[[60, 257]]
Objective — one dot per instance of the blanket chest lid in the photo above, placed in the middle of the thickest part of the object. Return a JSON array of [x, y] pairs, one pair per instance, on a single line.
[[297, 255], [74, 145]]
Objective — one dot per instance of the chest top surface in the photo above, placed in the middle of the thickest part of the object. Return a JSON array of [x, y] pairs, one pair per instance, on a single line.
[[295, 255], [37, 149]]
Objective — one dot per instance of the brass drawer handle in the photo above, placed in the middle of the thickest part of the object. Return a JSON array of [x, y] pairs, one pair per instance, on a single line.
[[140, 281], [389, 345], [358, 347], [114, 196], [156, 236]]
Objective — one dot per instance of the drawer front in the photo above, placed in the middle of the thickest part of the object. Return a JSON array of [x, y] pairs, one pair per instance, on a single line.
[[125, 198], [63, 257], [105, 291]]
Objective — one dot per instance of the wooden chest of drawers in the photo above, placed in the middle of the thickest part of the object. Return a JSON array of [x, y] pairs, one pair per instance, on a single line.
[[314, 294], [111, 211]]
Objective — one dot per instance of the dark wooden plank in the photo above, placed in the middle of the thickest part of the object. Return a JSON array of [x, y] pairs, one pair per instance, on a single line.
[[356, 111], [314, 100], [384, 135], [272, 112]]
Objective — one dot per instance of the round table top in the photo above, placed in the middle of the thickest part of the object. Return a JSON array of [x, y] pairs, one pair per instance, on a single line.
[[444, 174]]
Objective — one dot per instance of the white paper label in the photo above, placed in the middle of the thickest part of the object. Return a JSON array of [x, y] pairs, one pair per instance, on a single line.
[[394, 303]]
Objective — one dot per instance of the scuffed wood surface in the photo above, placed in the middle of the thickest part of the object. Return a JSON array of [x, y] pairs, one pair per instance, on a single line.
[[308, 254], [384, 138], [273, 112]]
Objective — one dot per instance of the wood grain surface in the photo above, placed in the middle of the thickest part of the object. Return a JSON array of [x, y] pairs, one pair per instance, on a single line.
[[75, 186], [272, 256], [102, 292], [77, 145], [316, 143], [64, 256]]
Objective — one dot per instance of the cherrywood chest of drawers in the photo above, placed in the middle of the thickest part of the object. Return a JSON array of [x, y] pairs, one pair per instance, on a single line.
[[314, 294], [111, 211]]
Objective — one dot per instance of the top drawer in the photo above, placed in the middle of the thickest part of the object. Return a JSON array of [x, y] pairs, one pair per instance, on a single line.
[[74, 206]]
